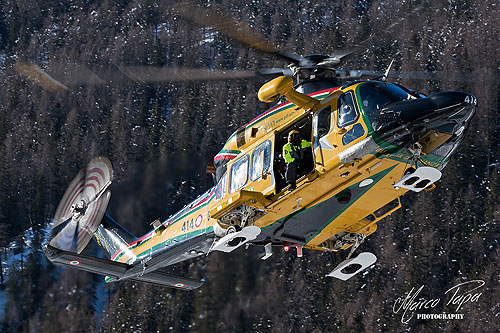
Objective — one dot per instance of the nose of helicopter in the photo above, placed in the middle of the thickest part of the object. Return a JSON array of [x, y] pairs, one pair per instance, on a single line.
[[445, 112]]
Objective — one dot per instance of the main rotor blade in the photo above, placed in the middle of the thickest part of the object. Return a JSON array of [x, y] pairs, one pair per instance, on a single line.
[[61, 76], [39, 76], [336, 57], [365, 44], [150, 74], [454, 76], [238, 30], [276, 71]]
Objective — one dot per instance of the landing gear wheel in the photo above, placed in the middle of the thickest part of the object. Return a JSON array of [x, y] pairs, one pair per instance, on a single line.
[[409, 170], [230, 230]]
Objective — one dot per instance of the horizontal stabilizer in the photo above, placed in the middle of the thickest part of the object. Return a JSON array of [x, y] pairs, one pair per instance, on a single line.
[[85, 262], [115, 270], [169, 280]]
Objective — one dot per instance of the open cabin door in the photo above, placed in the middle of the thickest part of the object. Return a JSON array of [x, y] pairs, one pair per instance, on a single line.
[[337, 125], [306, 164], [322, 138]]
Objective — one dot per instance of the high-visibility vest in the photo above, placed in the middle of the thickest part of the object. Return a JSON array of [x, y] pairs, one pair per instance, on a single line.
[[292, 152]]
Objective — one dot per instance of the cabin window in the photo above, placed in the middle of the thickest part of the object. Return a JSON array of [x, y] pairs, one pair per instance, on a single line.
[[355, 132], [324, 121], [239, 173], [347, 112], [261, 159]]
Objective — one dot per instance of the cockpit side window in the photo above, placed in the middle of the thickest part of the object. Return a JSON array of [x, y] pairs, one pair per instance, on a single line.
[[376, 95], [346, 111], [220, 188]]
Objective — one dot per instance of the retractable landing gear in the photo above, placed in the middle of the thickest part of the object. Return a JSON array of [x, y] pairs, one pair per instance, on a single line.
[[234, 240], [420, 179], [350, 267]]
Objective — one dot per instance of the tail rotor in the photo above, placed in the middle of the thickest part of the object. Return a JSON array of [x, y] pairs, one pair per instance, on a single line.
[[82, 207]]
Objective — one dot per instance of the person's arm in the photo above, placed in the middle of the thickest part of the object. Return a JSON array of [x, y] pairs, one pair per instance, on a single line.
[[305, 144]]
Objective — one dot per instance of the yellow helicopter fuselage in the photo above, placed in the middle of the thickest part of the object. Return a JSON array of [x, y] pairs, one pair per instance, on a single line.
[[348, 188]]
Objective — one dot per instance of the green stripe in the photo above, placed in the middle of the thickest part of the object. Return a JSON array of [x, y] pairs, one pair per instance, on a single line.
[[381, 175], [172, 223], [401, 155], [177, 238], [229, 151]]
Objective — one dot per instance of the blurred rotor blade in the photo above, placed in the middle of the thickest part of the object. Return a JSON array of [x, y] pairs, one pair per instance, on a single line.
[[74, 73], [363, 45], [336, 57], [62, 76], [356, 73], [39, 76], [150, 74], [275, 71], [210, 18], [485, 76], [420, 75], [58, 75], [238, 30], [339, 54], [295, 58]]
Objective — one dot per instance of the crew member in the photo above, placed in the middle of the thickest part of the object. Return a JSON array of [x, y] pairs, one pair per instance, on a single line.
[[293, 153]]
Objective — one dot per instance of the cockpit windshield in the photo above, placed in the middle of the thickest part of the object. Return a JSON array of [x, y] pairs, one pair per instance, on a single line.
[[376, 95]]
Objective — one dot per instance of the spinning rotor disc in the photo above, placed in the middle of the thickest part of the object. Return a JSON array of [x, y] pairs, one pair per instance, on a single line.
[[82, 206]]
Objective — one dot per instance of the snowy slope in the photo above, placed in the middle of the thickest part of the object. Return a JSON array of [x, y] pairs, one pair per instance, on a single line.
[[12, 257]]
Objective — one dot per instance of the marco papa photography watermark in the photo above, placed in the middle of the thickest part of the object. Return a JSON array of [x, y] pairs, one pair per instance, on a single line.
[[454, 300]]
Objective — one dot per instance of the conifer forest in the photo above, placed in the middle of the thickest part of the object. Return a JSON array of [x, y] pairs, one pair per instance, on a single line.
[[160, 135]]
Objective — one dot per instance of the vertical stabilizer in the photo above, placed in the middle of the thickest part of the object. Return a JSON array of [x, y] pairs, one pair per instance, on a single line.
[[112, 237]]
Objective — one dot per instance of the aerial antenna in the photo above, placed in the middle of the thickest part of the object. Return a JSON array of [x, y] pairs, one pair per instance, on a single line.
[[384, 77]]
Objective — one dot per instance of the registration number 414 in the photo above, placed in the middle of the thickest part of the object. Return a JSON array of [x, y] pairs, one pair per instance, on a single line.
[[191, 224]]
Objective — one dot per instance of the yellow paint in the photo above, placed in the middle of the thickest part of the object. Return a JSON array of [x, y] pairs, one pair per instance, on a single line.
[[329, 178]]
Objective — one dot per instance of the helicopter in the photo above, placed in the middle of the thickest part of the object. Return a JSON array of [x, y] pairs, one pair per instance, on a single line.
[[371, 143]]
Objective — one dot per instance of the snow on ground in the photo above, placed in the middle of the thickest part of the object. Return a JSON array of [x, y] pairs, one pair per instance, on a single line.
[[12, 257]]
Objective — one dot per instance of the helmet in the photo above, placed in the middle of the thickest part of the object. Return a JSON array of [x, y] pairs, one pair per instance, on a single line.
[[293, 135]]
